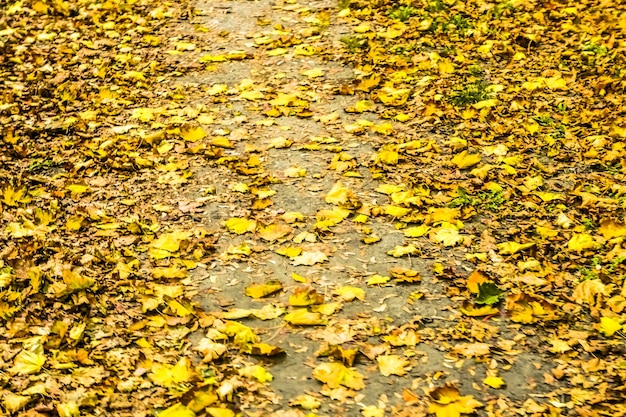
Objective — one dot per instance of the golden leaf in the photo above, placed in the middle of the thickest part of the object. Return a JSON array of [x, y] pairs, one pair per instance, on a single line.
[[475, 311], [416, 231], [257, 372], [168, 244], [466, 160], [307, 402], [171, 375], [341, 196], [448, 236], [263, 290], [313, 73], [609, 325], [377, 280], [192, 134], [581, 241], [447, 402], [177, 410], [350, 293], [28, 362], [301, 317], [336, 374], [220, 412], [13, 402], [400, 251], [510, 248], [611, 229], [309, 258], [494, 381], [305, 296], [240, 225], [75, 281], [273, 232], [392, 365]]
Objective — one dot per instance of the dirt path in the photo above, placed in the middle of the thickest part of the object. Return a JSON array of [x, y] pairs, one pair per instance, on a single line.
[[316, 143]]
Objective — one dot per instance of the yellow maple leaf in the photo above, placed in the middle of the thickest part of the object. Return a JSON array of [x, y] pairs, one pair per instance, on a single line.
[[327, 309], [350, 293], [611, 229], [220, 412], [192, 134], [309, 258], [377, 280], [396, 211], [75, 281], [313, 73], [305, 296], [510, 248], [475, 311], [447, 236], [273, 232], [416, 231], [466, 160], [400, 251], [342, 196], [28, 362], [609, 325], [171, 375], [68, 409], [78, 188], [168, 244], [494, 381], [447, 402], [392, 365], [240, 225], [581, 241], [289, 252], [263, 290], [302, 317], [257, 372], [388, 157], [590, 291], [307, 402], [177, 410], [14, 402], [336, 374]]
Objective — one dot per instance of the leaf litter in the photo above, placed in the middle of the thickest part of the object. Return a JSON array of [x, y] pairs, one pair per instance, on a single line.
[[199, 198]]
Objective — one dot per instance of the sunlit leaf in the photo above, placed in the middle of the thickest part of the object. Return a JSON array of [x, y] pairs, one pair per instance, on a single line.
[[335, 374], [263, 290]]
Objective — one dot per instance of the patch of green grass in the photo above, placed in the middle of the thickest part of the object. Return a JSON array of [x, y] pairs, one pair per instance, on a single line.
[[463, 199], [41, 163], [403, 13], [460, 22], [352, 43], [591, 48], [492, 200], [343, 4], [475, 70], [470, 93], [588, 223], [435, 6], [502, 9], [544, 120]]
